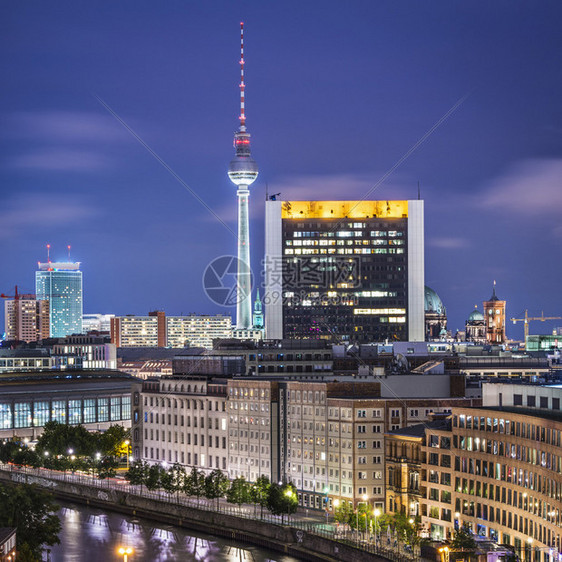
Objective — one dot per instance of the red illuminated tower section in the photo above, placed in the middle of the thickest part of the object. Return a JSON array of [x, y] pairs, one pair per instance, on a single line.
[[494, 315], [242, 172]]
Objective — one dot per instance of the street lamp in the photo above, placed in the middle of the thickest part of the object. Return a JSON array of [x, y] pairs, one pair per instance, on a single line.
[[376, 513], [125, 552], [444, 553], [127, 442], [288, 494]]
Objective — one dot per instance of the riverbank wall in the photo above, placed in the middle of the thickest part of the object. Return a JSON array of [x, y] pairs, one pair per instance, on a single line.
[[290, 540]]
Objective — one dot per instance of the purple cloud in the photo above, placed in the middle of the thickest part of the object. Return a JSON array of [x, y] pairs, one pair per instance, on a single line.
[[448, 242], [42, 211], [63, 127], [61, 159], [532, 187]]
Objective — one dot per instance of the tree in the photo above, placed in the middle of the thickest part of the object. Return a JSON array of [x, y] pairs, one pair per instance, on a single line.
[[282, 499], [463, 540], [112, 442], [343, 513], [194, 484], [216, 485], [57, 438], [239, 491], [137, 472], [106, 467], [152, 481], [259, 492], [32, 511]]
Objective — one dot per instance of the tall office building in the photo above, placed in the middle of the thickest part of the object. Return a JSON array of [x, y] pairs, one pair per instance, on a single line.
[[242, 172], [352, 271], [60, 283], [26, 318]]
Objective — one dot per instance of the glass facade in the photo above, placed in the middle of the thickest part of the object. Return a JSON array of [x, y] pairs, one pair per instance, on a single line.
[[22, 414], [5, 416], [38, 413], [103, 409], [74, 411], [59, 411], [115, 408], [345, 278], [89, 410], [61, 285]]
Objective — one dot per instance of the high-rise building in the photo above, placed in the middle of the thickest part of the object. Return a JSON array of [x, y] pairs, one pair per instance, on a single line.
[[494, 315], [26, 318], [345, 270], [60, 283], [242, 172]]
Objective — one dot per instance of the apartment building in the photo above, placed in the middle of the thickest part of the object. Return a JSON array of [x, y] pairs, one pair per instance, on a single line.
[[253, 429], [496, 469], [178, 419], [332, 437]]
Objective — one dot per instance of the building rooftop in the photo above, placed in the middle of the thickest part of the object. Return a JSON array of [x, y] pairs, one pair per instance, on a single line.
[[533, 412], [6, 533], [419, 429], [86, 379]]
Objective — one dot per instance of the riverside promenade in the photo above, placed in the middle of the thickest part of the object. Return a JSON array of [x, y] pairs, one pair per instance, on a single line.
[[302, 535]]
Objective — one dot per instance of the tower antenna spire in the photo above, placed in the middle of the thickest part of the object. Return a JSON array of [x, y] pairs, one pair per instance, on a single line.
[[68, 252], [243, 172], [48, 252], [242, 84]]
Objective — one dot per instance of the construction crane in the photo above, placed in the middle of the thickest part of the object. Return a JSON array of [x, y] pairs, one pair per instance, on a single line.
[[528, 318], [16, 297]]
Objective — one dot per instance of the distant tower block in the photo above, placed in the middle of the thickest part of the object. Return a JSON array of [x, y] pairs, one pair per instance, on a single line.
[[242, 172], [494, 315]]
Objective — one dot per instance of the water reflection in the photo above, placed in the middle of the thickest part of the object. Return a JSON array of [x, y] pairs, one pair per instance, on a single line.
[[91, 535]]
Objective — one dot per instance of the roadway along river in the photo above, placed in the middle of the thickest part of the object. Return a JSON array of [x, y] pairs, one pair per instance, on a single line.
[[92, 535]]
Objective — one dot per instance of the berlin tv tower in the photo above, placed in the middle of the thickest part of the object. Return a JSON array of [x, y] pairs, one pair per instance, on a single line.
[[242, 172]]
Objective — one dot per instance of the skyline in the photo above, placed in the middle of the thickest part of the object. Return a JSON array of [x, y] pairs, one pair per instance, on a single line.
[[334, 100]]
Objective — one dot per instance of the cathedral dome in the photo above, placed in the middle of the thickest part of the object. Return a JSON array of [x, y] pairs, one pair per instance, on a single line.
[[433, 303], [476, 316]]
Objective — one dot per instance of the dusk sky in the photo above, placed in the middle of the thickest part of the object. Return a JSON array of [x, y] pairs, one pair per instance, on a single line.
[[336, 94]]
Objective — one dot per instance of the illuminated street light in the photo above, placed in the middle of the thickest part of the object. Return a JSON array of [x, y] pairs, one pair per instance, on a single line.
[[376, 513], [125, 552], [70, 451], [127, 442], [444, 553]]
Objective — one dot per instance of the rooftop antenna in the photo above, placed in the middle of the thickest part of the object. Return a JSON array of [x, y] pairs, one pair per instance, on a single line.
[[68, 252], [242, 85], [419, 196], [266, 191], [48, 253]]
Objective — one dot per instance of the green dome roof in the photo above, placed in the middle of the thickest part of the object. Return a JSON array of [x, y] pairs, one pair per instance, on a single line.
[[433, 303], [475, 316]]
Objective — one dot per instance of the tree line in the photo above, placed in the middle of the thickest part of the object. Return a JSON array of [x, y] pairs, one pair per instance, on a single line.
[[71, 447], [280, 499]]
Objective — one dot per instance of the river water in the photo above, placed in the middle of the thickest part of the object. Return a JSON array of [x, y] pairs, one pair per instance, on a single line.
[[93, 535]]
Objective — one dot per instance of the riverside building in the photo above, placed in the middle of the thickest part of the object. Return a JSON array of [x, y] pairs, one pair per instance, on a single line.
[[495, 468], [350, 271]]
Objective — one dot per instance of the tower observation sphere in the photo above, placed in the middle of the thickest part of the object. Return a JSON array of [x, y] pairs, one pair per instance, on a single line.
[[242, 172]]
